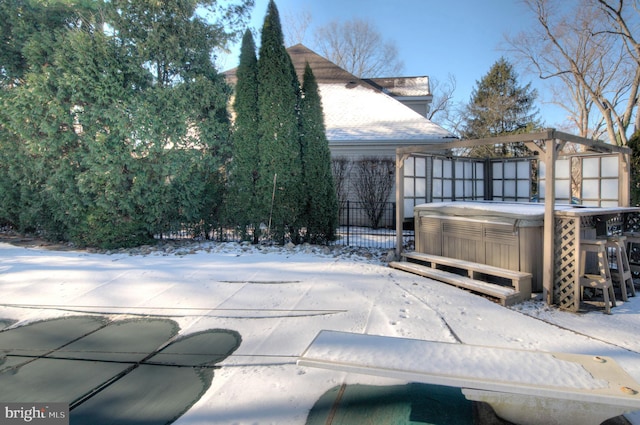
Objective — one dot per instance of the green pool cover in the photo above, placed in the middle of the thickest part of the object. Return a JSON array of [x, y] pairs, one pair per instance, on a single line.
[[130, 372]]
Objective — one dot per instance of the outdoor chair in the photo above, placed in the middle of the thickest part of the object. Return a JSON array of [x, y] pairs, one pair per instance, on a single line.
[[601, 279], [616, 245]]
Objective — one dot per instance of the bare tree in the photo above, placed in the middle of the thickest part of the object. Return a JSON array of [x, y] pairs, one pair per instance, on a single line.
[[591, 50], [442, 110], [625, 21], [582, 117], [296, 26], [373, 183], [341, 170], [358, 47]]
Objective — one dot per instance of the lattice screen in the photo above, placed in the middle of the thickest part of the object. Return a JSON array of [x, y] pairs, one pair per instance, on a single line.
[[564, 293]]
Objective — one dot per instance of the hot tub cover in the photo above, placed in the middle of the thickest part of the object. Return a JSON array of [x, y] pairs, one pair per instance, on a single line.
[[520, 214]]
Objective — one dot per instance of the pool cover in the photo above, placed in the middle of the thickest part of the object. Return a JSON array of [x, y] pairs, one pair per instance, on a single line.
[[130, 372]]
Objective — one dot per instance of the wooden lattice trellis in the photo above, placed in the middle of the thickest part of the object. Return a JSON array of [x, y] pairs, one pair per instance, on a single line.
[[564, 293], [568, 231]]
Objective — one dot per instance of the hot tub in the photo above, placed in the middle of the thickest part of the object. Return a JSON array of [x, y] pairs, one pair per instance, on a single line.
[[500, 234]]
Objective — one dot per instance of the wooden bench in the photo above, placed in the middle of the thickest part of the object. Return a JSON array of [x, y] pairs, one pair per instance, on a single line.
[[476, 279]]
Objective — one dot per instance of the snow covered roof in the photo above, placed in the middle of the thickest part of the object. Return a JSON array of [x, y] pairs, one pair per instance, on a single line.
[[362, 110], [403, 86], [357, 109], [361, 113]]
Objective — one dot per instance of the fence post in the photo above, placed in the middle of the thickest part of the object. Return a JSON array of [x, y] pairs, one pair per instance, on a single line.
[[394, 218], [399, 227], [348, 221]]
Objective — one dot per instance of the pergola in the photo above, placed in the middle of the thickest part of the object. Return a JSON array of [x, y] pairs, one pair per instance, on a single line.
[[548, 145]]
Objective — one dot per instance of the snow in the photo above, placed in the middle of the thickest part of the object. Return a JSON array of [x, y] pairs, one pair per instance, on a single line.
[[361, 113], [507, 209], [448, 359], [279, 299], [462, 208], [405, 86]]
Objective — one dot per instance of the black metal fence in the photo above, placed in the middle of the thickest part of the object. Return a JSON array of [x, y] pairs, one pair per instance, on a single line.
[[368, 226]]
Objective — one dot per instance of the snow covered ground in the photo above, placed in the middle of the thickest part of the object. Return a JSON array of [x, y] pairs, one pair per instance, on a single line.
[[278, 299]]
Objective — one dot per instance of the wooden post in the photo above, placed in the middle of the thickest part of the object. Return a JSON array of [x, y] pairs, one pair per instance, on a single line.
[[399, 201], [624, 180], [550, 157]]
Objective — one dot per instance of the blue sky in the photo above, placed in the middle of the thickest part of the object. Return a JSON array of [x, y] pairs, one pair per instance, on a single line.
[[434, 37]]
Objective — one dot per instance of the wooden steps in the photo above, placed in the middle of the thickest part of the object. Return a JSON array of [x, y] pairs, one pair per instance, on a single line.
[[517, 287]]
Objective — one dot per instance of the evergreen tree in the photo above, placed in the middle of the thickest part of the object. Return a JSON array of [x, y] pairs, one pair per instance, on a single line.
[[321, 206], [280, 174], [112, 135], [29, 29], [105, 213], [179, 121], [243, 175], [500, 106], [39, 145]]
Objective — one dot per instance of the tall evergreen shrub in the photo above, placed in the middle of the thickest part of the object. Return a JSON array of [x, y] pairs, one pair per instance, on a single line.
[[279, 187], [242, 200], [111, 135], [321, 205]]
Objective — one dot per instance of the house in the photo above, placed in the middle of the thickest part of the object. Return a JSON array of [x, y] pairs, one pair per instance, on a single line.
[[415, 92], [368, 117]]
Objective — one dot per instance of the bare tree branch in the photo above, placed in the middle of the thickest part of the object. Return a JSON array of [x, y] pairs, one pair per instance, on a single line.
[[443, 94], [341, 170], [296, 26], [358, 47], [443, 111], [598, 66], [373, 184]]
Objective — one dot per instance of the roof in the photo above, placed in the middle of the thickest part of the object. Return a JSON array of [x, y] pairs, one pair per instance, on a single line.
[[325, 71], [360, 110], [361, 113], [356, 109], [403, 86]]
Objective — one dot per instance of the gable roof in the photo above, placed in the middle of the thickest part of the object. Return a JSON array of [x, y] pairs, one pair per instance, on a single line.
[[325, 71], [358, 110], [364, 114]]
